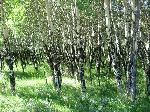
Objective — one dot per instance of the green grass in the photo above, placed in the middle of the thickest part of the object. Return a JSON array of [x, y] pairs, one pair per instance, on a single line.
[[34, 95]]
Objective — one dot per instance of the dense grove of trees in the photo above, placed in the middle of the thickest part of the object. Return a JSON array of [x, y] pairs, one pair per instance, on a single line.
[[109, 35]]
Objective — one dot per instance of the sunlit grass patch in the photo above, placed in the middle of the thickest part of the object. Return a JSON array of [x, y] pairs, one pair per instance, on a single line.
[[30, 82], [71, 82]]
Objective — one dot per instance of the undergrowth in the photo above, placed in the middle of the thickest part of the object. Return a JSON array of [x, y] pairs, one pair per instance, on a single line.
[[33, 94]]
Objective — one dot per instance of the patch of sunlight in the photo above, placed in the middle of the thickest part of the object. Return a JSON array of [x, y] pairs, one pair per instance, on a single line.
[[31, 82], [65, 81], [71, 82], [49, 79]]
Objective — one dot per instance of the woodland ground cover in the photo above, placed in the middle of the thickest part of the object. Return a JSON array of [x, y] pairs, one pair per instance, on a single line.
[[34, 95]]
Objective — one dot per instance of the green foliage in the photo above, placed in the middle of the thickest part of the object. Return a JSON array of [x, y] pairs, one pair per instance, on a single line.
[[14, 17]]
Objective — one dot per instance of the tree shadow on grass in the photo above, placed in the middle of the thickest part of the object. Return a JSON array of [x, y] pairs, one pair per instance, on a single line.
[[70, 96], [23, 75], [43, 98], [29, 75], [38, 96]]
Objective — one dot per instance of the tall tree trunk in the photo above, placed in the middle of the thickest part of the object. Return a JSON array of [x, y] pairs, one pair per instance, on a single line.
[[77, 29], [148, 70], [10, 62], [57, 76], [116, 56], [127, 70], [108, 30], [148, 52], [91, 52], [113, 50], [98, 62], [98, 53], [90, 63], [9, 56], [135, 4], [81, 68]]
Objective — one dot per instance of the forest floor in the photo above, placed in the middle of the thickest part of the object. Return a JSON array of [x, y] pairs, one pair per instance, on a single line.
[[34, 95]]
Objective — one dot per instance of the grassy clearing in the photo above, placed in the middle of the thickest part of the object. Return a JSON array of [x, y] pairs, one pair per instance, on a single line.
[[34, 95]]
